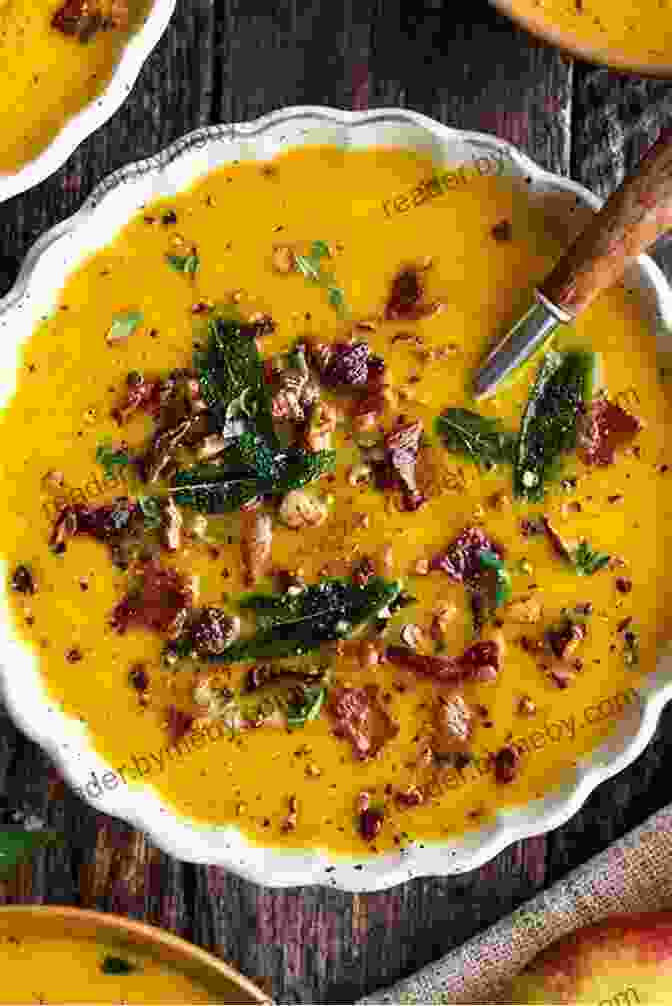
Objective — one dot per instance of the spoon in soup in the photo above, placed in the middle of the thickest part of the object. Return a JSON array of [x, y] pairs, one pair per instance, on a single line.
[[629, 222]]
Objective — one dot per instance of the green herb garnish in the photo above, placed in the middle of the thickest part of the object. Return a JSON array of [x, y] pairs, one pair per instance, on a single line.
[[479, 438], [562, 391], [187, 264], [111, 460], [310, 266], [231, 375], [488, 589], [123, 326], [151, 511], [205, 487], [112, 965], [293, 624], [309, 709], [586, 561]]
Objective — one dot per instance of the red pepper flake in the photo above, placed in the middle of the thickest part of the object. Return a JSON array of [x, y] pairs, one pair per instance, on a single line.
[[502, 231], [179, 724], [606, 428], [623, 585], [507, 764], [74, 655]]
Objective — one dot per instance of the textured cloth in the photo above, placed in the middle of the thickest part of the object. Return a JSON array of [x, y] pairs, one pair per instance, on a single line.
[[632, 875]]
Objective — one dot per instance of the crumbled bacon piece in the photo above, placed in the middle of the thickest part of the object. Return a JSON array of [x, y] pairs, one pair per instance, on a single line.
[[160, 601], [461, 559], [360, 718], [481, 661], [401, 449], [370, 823], [507, 764], [105, 523], [405, 302], [346, 364], [84, 18], [141, 394], [605, 428]]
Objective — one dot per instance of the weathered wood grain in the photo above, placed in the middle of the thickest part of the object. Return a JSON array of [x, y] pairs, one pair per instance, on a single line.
[[230, 60]]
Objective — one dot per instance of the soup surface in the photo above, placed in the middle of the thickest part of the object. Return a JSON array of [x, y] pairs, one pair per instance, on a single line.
[[443, 617], [54, 60], [56, 970], [636, 33]]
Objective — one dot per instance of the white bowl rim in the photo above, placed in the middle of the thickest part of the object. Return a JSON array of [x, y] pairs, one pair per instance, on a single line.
[[97, 112], [227, 847]]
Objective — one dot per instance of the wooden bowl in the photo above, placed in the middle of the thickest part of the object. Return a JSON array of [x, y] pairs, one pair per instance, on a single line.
[[535, 22], [35, 922]]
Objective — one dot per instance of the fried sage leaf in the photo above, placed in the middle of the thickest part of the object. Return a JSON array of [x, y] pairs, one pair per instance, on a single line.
[[293, 624], [482, 439], [559, 397], [231, 375], [211, 489]]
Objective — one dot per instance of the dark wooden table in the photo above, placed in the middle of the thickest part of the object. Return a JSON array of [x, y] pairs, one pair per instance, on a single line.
[[232, 60]]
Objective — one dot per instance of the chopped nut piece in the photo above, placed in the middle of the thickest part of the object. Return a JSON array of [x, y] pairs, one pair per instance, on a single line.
[[421, 567], [283, 259], [211, 446], [53, 481], [171, 526], [312, 770], [443, 619], [256, 541], [300, 509], [359, 474], [322, 424], [452, 725], [411, 635], [526, 707]]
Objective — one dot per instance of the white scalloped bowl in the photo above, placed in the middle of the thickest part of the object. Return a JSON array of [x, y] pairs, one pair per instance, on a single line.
[[58, 252], [134, 55]]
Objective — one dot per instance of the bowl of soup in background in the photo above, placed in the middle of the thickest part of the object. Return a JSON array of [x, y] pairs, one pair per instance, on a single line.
[[51, 113], [633, 36], [52, 954]]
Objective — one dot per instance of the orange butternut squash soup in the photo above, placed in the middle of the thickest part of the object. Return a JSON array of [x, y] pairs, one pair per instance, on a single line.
[[638, 33], [72, 970], [55, 58], [272, 555]]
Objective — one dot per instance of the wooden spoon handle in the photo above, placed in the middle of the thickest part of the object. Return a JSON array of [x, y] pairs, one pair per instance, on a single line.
[[637, 213]]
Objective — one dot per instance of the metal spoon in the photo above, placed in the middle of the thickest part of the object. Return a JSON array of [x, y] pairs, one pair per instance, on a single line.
[[633, 217]]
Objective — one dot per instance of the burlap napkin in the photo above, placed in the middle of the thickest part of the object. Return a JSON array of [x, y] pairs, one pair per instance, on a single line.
[[632, 875]]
